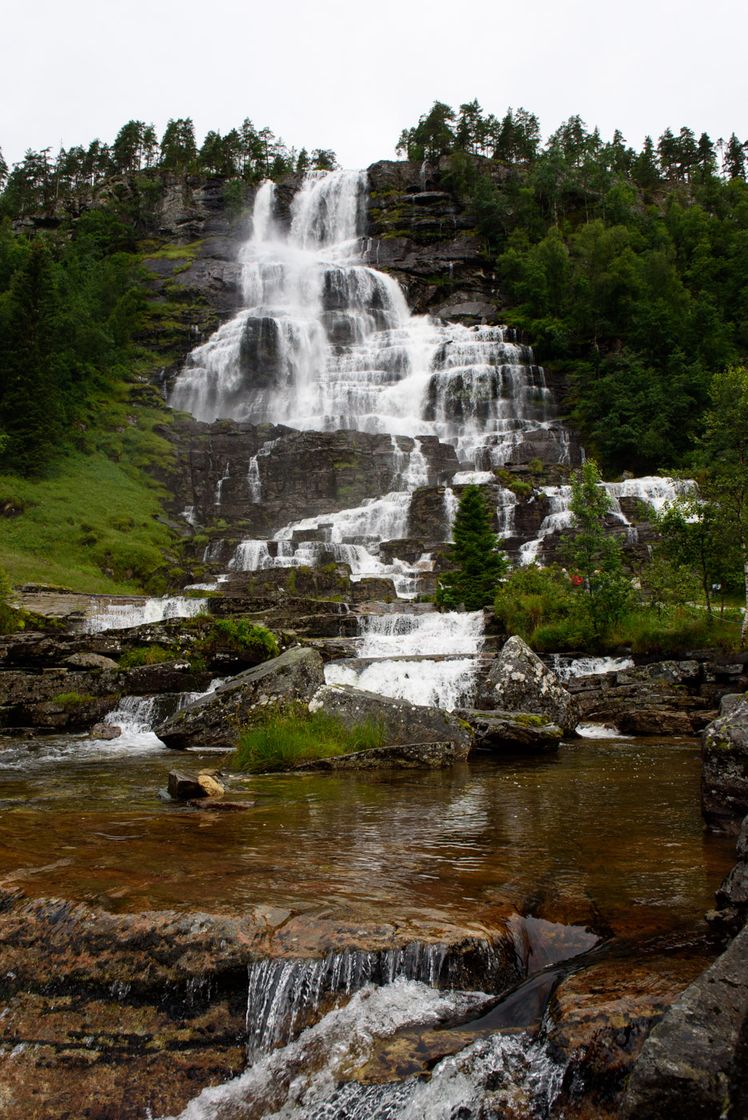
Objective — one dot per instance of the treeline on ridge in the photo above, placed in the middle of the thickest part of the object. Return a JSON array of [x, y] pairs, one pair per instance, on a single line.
[[627, 269], [42, 183]]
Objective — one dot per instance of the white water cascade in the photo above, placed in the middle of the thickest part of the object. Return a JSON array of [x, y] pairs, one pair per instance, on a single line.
[[138, 612], [428, 659], [327, 342]]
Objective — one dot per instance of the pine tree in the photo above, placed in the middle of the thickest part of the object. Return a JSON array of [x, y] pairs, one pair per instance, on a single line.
[[478, 563], [31, 398]]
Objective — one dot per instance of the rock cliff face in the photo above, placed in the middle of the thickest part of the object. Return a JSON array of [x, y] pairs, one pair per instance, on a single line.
[[421, 234]]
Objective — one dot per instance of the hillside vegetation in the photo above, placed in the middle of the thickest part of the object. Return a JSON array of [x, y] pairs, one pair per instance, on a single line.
[[627, 269]]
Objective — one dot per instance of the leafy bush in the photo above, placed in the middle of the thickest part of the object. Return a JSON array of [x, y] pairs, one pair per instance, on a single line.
[[244, 637], [145, 655], [72, 699], [296, 735]]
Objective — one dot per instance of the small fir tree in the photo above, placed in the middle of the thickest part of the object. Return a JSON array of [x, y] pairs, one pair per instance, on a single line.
[[478, 563], [594, 553]]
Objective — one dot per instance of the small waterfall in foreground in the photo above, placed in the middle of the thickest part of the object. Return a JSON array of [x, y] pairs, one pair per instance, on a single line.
[[286, 995], [314, 1077]]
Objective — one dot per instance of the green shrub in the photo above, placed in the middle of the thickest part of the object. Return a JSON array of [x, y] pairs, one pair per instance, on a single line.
[[72, 699], [145, 655], [244, 637], [296, 735]]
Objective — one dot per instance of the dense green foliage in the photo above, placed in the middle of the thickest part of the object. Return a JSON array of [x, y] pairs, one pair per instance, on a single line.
[[627, 270], [241, 636], [475, 558], [283, 739]]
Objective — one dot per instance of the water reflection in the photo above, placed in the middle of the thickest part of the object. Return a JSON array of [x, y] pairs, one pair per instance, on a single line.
[[607, 832]]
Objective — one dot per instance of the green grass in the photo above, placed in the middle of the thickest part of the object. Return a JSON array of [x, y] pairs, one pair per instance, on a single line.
[[285, 739], [72, 699], [145, 655], [172, 252], [670, 634]]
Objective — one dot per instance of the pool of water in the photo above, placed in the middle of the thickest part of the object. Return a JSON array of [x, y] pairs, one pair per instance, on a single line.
[[607, 833]]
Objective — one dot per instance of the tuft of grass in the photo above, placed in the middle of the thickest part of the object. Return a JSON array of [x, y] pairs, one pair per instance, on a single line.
[[72, 699], [244, 637], [284, 739]]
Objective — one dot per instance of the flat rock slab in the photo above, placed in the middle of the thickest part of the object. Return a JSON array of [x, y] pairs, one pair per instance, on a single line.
[[404, 756]]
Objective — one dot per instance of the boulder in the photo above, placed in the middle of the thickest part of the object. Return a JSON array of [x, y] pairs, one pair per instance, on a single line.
[[692, 1065], [404, 723], [518, 681], [183, 787], [509, 732], [724, 769], [105, 731], [216, 720], [87, 660]]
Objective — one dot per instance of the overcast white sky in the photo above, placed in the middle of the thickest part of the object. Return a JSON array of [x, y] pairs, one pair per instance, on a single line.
[[350, 76]]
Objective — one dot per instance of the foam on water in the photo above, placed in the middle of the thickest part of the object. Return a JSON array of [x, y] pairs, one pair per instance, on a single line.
[[310, 1078]]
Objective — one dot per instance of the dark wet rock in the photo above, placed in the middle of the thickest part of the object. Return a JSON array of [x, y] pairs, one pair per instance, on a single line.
[[404, 756], [693, 1062], [216, 720], [403, 723], [105, 731], [518, 681], [185, 787], [724, 771], [655, 721], [661, 698], [508, 732], [599, 1018], [301, 474]]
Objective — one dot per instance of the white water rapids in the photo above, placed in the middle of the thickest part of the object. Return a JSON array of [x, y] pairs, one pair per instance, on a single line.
[[313, 1078]]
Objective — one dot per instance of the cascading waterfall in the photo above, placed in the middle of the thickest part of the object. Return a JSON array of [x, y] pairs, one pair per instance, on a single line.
[[326, 342], [427, 659], [654, 491], [285, 995]]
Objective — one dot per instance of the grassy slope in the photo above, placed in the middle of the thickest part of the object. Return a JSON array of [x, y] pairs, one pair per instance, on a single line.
[[91, 523]]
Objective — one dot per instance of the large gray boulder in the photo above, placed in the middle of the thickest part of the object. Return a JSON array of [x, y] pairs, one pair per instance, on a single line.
[[692, 1065], [217, 720], [724, 769], [403, 723], [518, 681]]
